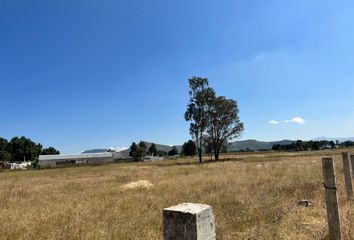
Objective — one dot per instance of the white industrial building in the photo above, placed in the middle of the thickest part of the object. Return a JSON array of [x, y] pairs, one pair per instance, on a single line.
[[86, 158]]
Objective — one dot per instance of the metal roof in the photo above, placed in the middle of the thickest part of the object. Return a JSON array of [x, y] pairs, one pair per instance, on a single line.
[[74, 156]]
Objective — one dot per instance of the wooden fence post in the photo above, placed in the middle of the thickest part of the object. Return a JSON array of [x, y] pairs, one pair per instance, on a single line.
[[347, 175], [188, 221], [352, 164], [331, 199]]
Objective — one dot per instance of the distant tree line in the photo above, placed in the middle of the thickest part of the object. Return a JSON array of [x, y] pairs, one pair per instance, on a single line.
[[21, 148], [300, 145], [140, 150], [347, 144]]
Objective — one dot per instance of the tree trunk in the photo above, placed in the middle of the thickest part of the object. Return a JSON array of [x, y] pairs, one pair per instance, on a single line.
[[216, 153], [200, 151]]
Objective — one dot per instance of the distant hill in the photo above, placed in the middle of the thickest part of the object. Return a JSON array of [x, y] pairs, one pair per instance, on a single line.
[[159, 147], [95, 151], [233, 146], [255, 145]]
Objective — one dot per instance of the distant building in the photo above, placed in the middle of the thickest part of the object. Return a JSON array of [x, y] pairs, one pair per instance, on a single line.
[[327, 146], [149, 158], [85, 158]]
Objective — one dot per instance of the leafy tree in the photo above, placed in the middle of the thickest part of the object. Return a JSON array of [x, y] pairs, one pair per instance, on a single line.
[[153, 150], [133, 149], [224, 123], [50, 151], [23, 149], [3, 144], [173, 151], [200, 94], [137, 152], [5, 156], [189, 148], [208, 145], [142, 144]]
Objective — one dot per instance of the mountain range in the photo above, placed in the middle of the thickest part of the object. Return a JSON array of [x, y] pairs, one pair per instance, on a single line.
[[234, 146], [255, 145]]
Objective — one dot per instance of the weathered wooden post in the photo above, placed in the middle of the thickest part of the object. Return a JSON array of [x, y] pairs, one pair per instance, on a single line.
[[188, 221], [347, 175], [352, 164], [331, 199]]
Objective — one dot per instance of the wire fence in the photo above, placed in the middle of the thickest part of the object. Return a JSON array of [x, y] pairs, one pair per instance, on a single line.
[[315, 234], [345, 209], [283, 210]]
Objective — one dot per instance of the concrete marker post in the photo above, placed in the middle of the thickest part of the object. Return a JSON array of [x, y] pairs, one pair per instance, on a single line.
[[188, 221], [347, 175], [331, 199]]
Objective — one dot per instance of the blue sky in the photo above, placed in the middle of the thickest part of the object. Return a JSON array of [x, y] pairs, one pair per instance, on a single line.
[[89, 74]]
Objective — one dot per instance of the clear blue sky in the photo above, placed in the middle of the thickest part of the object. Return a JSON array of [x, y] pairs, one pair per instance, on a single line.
[[88, 74]]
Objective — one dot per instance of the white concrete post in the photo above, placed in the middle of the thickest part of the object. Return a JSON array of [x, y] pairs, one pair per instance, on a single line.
[[331, 199], [188, 221]]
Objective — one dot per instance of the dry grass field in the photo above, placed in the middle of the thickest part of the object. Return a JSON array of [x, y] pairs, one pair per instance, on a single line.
[[254, 196]]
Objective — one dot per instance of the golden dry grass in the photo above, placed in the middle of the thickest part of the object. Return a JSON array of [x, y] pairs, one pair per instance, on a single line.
[[254, 196]]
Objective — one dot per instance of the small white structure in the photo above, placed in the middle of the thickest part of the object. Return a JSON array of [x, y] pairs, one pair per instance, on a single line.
[[152, 158], [22, 166]]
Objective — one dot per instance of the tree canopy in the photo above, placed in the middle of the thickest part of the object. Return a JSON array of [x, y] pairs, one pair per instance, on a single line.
[[137, 152], [223, 123], [23, 149], [19, 149], [173, 151], [213, 119], [189, 148], [200, 95], [50, 151], [153, 150]]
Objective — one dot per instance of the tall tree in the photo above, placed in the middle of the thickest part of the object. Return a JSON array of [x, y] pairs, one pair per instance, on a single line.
[[133, 149], [50, 151], [200, 95], [153, 150], [142, 145], [173, 151], [189, 148], [23, 149], [224, 123], [3, 144], [5, 156], [137, 152]]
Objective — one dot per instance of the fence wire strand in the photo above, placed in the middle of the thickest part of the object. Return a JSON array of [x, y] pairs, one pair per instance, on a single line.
[[325, 228], [318, 235], [289, 207]]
